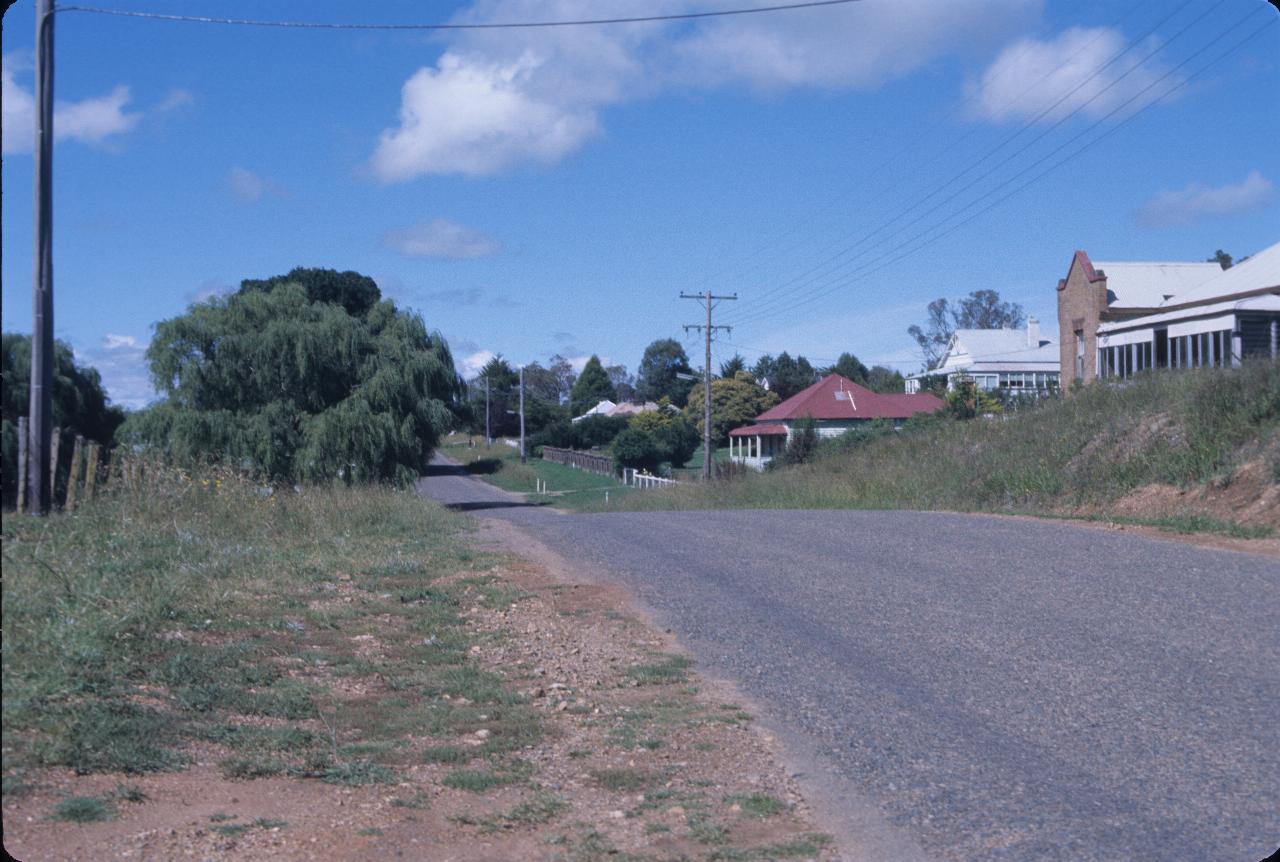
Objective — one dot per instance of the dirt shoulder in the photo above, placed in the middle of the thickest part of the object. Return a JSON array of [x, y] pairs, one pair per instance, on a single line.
[[626, 753]]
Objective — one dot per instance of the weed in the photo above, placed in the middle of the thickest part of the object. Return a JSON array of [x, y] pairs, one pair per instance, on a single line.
[[249, 767], [476, 780], [418, 800], [129, 793], [447, 754], [369, 832], [221, 817], [269, 823], [757, 804], [231, 830], [84, 809], [358, 773], [669, 669]]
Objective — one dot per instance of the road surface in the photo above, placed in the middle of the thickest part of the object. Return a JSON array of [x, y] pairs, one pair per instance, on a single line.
[[968, 687]]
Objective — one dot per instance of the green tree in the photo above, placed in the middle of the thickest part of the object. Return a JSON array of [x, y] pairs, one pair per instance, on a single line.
[[80, 404], [791, 375], [850, 367], [623, 382], [297, 389], [656, 377], [881, 379], [355, 292], [734, 402], [803, 443], [981, 309], [565, 376], [733, 366], [675, 437], [1221, 258], [592, 386]]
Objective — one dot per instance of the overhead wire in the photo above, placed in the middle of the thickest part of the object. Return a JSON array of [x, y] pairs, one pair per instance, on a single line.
[[900, 151], [831, 264], [497, 25], [908, 251]]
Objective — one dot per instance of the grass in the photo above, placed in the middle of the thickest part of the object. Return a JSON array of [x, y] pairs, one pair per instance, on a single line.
[[155, 617], [1079, 454], [759, 805], [667, 670], [624, 779], [567, 487], [84, 809]]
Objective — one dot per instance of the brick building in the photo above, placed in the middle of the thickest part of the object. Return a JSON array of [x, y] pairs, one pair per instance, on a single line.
[[1117, 319], [1093, 294]]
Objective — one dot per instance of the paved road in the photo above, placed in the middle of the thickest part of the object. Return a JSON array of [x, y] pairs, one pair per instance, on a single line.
[[978, 688]]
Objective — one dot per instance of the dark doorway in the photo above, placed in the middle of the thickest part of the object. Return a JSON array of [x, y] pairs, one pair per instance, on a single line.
[[1162, 348]]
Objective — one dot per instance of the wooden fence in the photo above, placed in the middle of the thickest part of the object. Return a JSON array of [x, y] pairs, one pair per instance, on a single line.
[[86, 474], [589, 461]]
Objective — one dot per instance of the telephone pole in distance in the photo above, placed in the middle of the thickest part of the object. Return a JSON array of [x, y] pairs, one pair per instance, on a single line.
[[710, 300]]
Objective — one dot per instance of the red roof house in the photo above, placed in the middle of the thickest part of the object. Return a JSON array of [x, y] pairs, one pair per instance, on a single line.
[[836, 405]]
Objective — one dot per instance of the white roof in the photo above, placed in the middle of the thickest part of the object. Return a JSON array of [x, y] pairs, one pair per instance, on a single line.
[[1262, 270], [1148, 284], [604, 408], [1263, 302], [990, 348]]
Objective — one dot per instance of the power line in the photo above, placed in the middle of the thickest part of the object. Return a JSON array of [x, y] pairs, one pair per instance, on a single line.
[[868, 269], [928, 135], [830, 264], [505, 25]]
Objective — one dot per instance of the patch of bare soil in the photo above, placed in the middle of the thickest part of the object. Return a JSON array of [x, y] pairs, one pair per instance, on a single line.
[[1249, 496], [638, 760]]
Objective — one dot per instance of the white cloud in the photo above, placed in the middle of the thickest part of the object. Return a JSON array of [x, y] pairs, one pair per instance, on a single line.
[[174, 99], [121, 360], [89, 120], [1073, 72], [473, 363], [1198, 201], [248, 187], [440, 238], [499, 98], [473, 117]]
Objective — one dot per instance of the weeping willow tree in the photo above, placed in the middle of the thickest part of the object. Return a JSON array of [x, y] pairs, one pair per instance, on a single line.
[[297, 387]]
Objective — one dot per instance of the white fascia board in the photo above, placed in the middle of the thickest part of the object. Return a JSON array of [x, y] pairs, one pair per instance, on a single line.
[[1136, 336], [1195, 327]]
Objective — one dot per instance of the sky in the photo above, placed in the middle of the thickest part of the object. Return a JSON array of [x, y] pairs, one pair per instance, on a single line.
[[554, 190]]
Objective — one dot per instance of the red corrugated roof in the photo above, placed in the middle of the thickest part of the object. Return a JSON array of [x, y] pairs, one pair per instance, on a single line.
[[822, 402], [762, 430]]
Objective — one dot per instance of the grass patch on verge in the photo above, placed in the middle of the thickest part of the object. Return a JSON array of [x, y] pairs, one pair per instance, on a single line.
[[84, 809], [668, 669], [1080, 453]]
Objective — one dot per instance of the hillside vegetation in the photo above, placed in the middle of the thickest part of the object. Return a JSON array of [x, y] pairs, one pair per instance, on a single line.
[[1192, 450]]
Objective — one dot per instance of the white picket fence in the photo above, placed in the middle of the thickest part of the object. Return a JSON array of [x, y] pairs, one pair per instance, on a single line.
[[637, 479]]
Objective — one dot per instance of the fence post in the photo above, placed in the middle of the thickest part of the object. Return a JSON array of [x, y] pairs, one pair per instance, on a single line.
[[22, 464], [91, 472], [73, 480], [53, 468]]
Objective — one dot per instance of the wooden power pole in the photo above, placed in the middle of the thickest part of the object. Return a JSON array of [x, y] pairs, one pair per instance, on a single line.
[[40, 407], [709, 300]]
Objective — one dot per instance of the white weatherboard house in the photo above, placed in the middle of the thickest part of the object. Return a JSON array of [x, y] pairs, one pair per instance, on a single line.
[[1232, 316], [1018, 361]]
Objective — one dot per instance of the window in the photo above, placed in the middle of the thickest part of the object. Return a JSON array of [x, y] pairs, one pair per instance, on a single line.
[[1079, 354]]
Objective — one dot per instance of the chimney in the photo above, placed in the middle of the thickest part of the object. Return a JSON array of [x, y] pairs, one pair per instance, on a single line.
[[1033, 332]]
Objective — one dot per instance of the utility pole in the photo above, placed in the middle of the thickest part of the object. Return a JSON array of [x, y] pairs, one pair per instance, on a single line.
[[40, 407], [709, 300], [488, 437], [522, 456]]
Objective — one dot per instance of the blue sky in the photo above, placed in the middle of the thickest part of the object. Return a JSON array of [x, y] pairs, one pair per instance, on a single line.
[[553, 191]]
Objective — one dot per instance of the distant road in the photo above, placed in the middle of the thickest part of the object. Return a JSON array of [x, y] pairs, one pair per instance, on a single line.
[[973, 688]]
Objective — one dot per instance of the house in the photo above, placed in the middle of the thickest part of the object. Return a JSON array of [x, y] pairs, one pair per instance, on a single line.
[[627, 408], [604, 408], [1234, 315], [1015, 361], [1094, 294], [835, 403]]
